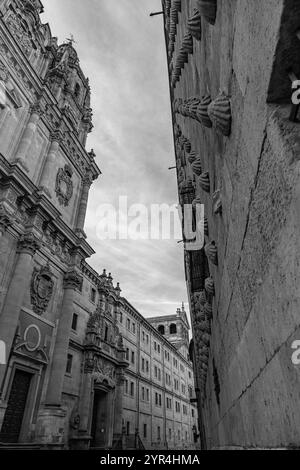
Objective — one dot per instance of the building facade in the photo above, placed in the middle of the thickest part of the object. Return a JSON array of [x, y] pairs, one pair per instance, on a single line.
[[62, 383], [231, 67], [159, 382]]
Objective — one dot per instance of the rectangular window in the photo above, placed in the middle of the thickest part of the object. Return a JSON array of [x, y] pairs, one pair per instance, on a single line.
[[143, 364], [158, 433], [143, 393], [132, 357], [155, 372], [128, 324], [155, 346], [147, 366], [121, 317], [93, 295], [126, 386], [159, 400], [75, 322], [159, 374], [127, 354], [158, 348], [147, 339], [145, 431], [69, 364], [132, 389], [133, 328], [143, 336], [170, 433], [148, 395]]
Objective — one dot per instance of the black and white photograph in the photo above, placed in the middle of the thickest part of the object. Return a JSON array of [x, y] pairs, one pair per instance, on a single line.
[[149, 229]]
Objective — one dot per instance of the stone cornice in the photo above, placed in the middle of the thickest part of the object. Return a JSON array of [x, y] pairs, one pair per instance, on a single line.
[[14, 175]]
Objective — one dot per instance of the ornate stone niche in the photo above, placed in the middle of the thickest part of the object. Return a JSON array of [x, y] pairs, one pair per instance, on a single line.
[[194, 25], [211, 251], [41, 290], [219, 112], [64, 185], [204, 182], [208, 9]]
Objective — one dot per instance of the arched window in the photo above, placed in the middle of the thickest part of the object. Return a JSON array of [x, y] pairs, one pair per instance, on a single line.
[[161, 329], [173, 329]]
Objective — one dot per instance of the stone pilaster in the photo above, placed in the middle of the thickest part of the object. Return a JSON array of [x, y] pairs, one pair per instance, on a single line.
[[72, 281], [118, 417], [47, 175], [51, 419], [9, 317], [28, 134], [86, 185]]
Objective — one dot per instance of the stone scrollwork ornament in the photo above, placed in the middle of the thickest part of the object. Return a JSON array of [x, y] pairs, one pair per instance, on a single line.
[[64, 185], [42, 286]]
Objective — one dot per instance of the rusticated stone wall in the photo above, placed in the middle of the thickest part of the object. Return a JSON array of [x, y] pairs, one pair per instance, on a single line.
[[246, 315]]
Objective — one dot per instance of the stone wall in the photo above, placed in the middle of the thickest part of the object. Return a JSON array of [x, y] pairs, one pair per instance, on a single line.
[[249, 386]]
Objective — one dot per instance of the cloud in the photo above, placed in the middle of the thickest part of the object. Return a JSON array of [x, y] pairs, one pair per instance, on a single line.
[[122, 50]]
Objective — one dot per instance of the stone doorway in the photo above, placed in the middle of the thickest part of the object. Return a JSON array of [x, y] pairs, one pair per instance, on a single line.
[[101, 421], [14, 416]]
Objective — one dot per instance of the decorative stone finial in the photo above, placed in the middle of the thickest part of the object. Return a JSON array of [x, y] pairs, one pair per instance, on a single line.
[[208, 9], [219, 112]]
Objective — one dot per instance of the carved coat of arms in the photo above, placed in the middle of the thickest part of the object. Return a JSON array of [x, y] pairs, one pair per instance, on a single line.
[[64, 185], [41, 289]]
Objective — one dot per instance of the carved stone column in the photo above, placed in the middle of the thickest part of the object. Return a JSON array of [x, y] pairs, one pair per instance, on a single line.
[[86, 185], [47, 176], [9, 317], [27, 136], [51, 419]]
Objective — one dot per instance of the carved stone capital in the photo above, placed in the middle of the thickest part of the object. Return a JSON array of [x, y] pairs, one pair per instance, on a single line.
[[72, 280], [28, 243]]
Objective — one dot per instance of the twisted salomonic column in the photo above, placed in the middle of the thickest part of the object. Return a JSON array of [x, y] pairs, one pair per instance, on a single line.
[[72, 281], [27, 136], [9, 317], [86, 185], [47, 176]]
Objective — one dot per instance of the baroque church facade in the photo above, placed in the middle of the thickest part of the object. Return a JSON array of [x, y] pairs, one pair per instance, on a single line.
[[72, 354]]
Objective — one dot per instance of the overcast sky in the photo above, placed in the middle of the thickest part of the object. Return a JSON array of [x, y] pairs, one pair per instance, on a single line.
[[122, 51]]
